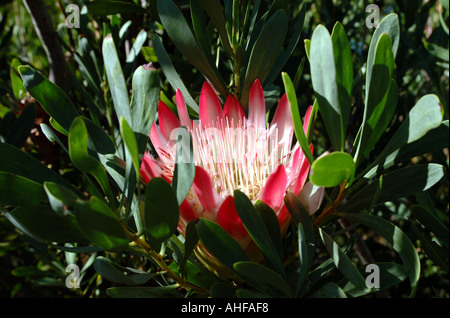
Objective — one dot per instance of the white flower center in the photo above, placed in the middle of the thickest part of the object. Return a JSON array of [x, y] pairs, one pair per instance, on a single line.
[[239, 156]]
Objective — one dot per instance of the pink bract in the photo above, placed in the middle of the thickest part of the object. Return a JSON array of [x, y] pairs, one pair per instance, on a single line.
[[231, 151]]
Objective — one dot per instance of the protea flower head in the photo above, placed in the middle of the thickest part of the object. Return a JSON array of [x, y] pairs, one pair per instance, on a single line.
[[231, 151]]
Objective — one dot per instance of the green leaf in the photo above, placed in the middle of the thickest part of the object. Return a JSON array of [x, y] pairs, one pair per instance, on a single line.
[[57, 126], [222, 290], [323, 77], [397, 184], [81, 159], [117, 274], [17, 190], [100, 225], [44, 224], [380, 119], [201, 27], [308, 48], [382, 99], [298, 126], [171, 74], [21, 128], [52, 137], [129, 138], [50, 96], [220, 243], [306, 236], [18, 162], [299, 73], [140, 292], [257, 230], [245, 293], [196, 274], [139, 41], [191, 241], [436, 50], [389, 25], [431, 223], [60, 197], [264, 52], [16, 81], [304, 256], [264, 275], [293, 41], [271, 222], [396, 238], [161, 212], [180, 33], [102, 142], [391, 274], [116, 80], [104, 8], [86, 58], [214, 10], [144, 103], [436, 253], [329, 290], [342, 261], [344, 71], [332, 169], [433, 140], [424, 116], [149, 54], [184, 172], [132, 164]]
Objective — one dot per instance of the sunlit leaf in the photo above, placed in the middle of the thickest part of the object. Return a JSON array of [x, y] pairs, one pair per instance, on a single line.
[[396, 238], [332, 169], [257, 230], [161, 212], [99, 224], [52, 98], [342, 261], [323, 77], [17, 190], [46, 225]]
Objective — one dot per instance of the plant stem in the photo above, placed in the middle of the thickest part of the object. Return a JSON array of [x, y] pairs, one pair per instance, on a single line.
[[162, 264], [332, 207], [49, 37]]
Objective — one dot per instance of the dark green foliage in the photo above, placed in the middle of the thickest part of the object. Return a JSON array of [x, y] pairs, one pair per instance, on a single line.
[[70, 186]]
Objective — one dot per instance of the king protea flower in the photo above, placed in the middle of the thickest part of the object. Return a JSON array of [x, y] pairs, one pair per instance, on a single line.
[[231, 151]]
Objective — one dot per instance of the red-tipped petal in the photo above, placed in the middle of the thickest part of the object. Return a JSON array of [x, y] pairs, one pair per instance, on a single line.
[[205, 190], [302, 174], [149, 168], [283, 119], [187, 212], [145, 173], [283, 218], [182, 111], [311, 197], [274, 189], [158, 140], [167, 120], [257, 105], [307, 119], [233, 110], [209, 106], [229, 220]]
